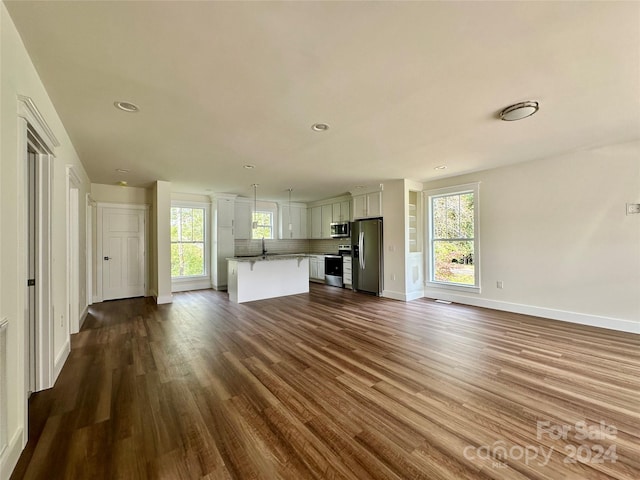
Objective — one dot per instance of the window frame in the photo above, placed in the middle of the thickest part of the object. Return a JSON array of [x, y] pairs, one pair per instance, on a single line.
[[270, 226], [429, 195], [206, 207]]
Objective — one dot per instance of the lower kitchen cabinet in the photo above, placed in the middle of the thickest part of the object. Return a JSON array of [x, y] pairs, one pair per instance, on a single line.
[[347, 277], [316, 268]]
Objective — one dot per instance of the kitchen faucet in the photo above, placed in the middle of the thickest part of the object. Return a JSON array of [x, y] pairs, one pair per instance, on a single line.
[[264, 249]]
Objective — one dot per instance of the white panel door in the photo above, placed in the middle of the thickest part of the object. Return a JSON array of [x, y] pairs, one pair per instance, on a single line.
[[123, 248]]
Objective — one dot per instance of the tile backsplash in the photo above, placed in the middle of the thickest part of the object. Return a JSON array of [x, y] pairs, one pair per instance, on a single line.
[[254, 247]]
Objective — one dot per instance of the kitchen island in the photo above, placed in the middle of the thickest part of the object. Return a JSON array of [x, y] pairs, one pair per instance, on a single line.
[[267, 276]]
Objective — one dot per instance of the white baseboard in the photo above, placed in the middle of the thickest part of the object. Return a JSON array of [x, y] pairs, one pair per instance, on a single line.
[[83, 316], [162, 299], [11, 454], [96, 299], [394, 295], [186, 285], [554, 314], [61, 358], [404, 297]]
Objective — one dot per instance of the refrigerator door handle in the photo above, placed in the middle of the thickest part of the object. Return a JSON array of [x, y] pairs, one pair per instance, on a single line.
[[362, 263]]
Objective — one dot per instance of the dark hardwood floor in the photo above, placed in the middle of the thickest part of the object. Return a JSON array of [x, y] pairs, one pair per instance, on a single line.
[[336, 385]]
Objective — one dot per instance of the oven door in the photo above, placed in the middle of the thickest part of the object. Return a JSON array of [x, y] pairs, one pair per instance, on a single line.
[[333, 270]]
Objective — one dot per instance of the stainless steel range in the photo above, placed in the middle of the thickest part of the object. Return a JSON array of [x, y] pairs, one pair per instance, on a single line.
[[334, 266]]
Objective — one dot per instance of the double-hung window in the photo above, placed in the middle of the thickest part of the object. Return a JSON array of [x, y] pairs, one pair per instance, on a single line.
[[188, 241], [262, 224], [453, 236]]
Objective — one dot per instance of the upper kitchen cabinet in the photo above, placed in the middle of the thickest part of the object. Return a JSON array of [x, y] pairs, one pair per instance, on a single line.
[[315, 222], [367, 205], [341, 211], [323, 213], [242, 219], [293, 224], [224, 211]]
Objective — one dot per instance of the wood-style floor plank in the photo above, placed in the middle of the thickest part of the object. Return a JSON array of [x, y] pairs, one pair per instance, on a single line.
[[334, 385]]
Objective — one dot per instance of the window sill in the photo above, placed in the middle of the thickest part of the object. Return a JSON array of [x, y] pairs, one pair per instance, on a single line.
[[182, 284], [453, 287]]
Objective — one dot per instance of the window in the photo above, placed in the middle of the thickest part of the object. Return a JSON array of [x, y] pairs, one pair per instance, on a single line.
[[188, 257], [453, 245], [263, 224]]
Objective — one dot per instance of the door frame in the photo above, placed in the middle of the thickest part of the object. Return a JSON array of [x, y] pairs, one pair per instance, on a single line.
[[33, 131], [100, 206], [73, 249]]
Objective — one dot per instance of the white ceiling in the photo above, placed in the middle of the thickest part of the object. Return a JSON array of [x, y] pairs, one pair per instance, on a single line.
[[405, 87]]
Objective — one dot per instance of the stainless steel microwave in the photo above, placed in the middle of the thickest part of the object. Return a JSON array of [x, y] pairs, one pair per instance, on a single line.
[[340, 229]]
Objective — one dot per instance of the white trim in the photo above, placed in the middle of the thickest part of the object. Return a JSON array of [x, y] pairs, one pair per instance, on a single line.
[[11, 454], [89, 204], [551, 313], [27, 109], [403, 297], [473, 187], [61, 359], [190, 283], [73, 249], [176, 282], [394, 295], [164, 299], [83, 316]]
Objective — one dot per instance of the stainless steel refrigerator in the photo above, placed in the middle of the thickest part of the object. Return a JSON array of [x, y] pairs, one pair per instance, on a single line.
[[366, 237]]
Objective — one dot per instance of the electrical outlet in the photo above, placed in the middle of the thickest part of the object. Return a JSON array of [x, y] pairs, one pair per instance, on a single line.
[[393, 277], [633, 208], [500, 284]]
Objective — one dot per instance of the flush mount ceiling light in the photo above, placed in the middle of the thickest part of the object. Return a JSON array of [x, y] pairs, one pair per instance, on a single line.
[[122, 170], [519, 111], [127, 107], [440, 167], [249, 167], [122, 183], [319, 127]]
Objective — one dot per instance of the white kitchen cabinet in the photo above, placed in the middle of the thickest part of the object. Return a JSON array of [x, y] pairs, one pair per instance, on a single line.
[[315, 222], [327, 218], [296, 215], [345, 211], [224, 212], [316, 268], [242, 220], [347, 277], [223, 245], [341, 211], [367, 205]]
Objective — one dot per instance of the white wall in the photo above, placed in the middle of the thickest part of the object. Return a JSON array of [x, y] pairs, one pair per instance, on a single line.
[[393, 237], [19, 77], [162, 203], [556, 233]]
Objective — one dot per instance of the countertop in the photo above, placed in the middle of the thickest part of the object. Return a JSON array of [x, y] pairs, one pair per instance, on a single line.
[[269, 257]]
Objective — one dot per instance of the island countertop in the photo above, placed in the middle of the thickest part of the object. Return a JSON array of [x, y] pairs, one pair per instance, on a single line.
[[268, 257]]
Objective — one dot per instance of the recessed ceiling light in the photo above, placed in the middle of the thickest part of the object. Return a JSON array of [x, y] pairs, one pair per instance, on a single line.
[[359, 186], [519, 111], [249, 167], [122, 183], [122, 170], [319, 127], [127, 107], [440, 167]]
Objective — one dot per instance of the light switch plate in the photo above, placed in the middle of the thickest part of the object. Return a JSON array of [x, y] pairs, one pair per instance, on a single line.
[[633, 208]]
